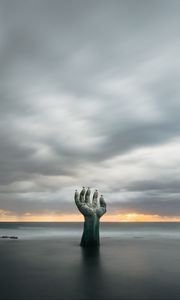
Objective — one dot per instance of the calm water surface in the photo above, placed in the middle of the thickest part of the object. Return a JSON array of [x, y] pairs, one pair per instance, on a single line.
[[43, 230], [134, 261]]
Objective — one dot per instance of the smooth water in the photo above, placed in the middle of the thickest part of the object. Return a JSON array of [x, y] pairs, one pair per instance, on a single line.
[[134, 261], [44, 230]]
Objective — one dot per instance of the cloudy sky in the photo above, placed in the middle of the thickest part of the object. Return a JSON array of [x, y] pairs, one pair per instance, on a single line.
[[90, 95]]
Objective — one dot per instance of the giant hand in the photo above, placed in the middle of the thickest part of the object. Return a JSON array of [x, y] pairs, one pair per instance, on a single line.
[[88, 208], [92, 211]]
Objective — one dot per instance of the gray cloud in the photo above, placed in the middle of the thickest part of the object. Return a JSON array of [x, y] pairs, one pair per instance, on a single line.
[[89, 94]]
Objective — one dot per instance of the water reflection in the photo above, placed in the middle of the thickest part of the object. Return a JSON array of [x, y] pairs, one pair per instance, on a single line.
[[91, 273], [90, 254]]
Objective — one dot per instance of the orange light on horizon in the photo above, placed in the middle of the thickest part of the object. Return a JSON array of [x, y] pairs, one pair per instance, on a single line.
[[135, 217], [6, 216], [51, 217]]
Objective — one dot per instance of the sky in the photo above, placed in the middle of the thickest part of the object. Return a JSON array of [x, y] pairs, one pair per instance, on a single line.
[[89, 96]]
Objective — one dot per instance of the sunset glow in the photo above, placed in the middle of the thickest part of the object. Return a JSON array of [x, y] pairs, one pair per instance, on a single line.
[[6, 216]]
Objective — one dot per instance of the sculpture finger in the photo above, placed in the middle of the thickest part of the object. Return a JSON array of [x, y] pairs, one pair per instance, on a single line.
[[76, 198], [102, 209], [87, 197], [95, 199], [82, 206], [82, 194], [102, 202], [100, 212]]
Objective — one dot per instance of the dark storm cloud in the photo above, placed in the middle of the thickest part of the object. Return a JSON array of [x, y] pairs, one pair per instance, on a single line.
[[154, 185], [23, 206], [81, 83], [149, 205]]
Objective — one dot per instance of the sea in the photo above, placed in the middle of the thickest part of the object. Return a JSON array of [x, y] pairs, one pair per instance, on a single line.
[[134, 261], [129, 230]]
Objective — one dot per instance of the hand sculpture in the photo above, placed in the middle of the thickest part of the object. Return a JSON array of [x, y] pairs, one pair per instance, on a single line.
[[92, 212]]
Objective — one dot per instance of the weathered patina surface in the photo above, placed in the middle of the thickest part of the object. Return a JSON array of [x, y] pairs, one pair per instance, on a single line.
[[92, 211]]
